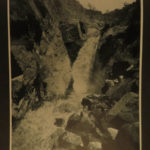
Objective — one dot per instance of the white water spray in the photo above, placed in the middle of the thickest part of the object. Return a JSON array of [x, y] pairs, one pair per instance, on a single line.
[[83, 65]]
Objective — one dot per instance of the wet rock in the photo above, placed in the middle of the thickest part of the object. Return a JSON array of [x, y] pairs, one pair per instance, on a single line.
[[84, 125], [59, 122], [87, 103], [98, 107], [67, 141], [69, 31], [97, 102], [116, 92], [71, 138], [113, 132], [95, 146], [115, 30], [110, 82], [125, 110]]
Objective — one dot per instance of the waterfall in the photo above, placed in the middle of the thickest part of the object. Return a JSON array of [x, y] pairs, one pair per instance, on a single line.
[[37, 128], [83, 65]]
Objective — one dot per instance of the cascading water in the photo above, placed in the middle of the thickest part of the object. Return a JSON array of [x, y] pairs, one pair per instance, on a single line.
[[36, 128], [82, 67]]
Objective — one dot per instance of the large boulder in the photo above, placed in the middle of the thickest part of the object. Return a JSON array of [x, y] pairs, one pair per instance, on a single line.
[[98, 106], [84, 125], [100, 102], [117, 91], [70, 141], [126, 110]]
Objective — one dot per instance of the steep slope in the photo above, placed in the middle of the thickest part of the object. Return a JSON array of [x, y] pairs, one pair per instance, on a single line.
[[38, 36]]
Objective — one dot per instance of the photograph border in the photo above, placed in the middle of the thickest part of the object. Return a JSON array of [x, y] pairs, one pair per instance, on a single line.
[[140, 81]]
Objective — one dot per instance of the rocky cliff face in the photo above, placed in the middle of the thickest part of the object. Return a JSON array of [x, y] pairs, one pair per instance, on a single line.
[[75, 75], [50, 37]]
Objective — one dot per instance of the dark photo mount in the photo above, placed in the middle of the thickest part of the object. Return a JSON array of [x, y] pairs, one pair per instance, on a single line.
[[145, 78], [4, 78]]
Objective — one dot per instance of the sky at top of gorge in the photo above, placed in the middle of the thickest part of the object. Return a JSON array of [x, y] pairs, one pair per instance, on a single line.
[[105, 5]]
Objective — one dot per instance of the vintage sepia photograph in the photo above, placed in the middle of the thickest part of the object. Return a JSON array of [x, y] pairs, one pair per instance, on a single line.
[[75, 74]]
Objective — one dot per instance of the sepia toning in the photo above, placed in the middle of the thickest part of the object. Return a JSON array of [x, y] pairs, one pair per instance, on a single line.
[[74, 75]]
